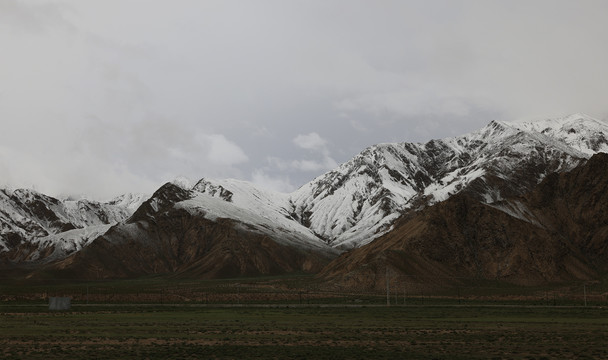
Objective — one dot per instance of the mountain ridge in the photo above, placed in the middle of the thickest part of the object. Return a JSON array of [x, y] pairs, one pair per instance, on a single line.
[[43, 222], [343, 209], [392, 178], [558, 235]]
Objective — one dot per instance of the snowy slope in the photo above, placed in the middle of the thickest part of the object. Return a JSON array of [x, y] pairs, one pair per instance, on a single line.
[[58, 246], [28, 217], [357, 202], [255, 209], [83, 213], [579, 131]]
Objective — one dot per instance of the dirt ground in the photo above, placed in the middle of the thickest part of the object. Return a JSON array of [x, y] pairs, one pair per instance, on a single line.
[[416, 332]]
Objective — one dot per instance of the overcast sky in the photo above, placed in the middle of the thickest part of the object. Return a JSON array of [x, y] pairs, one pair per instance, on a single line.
[[102, 97]]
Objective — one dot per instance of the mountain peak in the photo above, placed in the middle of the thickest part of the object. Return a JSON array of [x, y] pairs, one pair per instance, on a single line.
[[357, 202], [579, 117], [183, 182], [494, 130], [578, 131], [557, 122]]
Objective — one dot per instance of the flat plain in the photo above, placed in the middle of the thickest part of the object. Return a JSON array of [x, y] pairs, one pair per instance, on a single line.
[[304, 332]]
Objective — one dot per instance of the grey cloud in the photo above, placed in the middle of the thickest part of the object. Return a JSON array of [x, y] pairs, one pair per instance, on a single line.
[[32, 16], [327, 163], [222, 151], [147, 90], [312, 141], [323, 163], [278, 183]]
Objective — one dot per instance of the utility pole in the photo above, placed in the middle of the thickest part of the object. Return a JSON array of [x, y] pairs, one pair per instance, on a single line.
[[388, 292], [585, 294]]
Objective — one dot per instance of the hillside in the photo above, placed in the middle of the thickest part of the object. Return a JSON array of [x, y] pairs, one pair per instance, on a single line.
[[555, 233], [368, 197], [170, 233]]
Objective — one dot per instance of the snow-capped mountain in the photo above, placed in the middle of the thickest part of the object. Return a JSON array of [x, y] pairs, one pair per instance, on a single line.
[[555, 233], [251, 208], [269, 212], [28, 217], [579, 131], [345, 208], [202, 231], [358, 201]]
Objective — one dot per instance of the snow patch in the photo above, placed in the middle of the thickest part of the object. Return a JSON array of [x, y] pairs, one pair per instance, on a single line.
[[68, 242], [264, 211]]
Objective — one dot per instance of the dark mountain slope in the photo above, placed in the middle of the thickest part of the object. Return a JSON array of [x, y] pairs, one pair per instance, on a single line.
[[163, 239], [559, 235], [575, 206]]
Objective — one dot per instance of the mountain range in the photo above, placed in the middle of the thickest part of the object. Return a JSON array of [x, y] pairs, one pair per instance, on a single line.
[[556, 233], [36, 227], [475, 205]]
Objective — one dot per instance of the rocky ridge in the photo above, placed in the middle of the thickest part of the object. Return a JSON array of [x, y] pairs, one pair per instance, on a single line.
[[184, 231], [555, 233], [359, 201], [35, 226], [343, 209]]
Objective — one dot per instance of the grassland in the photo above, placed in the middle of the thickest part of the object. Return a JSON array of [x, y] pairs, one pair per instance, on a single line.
[[337, 332], [292, 317]]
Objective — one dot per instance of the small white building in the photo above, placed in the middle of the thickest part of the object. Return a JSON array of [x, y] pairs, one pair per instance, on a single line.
[[60, 303]]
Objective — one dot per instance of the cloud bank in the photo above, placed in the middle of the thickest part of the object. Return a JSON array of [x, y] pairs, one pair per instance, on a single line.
[[104, 97]]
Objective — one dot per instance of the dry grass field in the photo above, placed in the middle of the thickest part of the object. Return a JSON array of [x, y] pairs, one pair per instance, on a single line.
[[292, 317], [295, 332]]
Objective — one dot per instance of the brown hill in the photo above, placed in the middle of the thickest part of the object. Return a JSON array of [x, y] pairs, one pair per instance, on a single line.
[[575, 206], [560, 234], [173, 241]]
